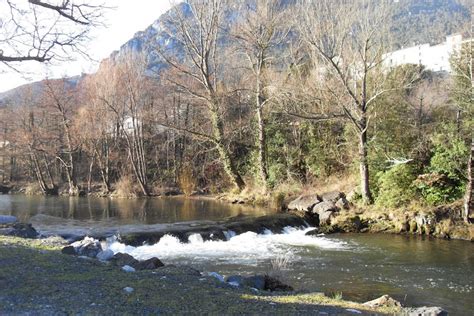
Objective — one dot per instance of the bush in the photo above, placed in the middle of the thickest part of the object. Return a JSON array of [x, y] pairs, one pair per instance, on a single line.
[[187, 182], [125, 188], [396, 185], [444, 181]]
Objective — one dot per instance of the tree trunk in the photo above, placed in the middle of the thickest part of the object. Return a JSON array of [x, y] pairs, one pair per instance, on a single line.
[[468, 204], [262, 157], [364, 164], [226, 159]]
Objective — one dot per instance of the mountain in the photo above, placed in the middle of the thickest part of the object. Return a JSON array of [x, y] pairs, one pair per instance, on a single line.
[[414, 22]]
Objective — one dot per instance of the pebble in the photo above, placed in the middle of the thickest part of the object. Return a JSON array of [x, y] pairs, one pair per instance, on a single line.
[[128, 289], [128, 269]]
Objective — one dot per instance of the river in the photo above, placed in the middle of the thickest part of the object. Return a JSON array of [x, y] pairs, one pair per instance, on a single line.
[[415, 270]]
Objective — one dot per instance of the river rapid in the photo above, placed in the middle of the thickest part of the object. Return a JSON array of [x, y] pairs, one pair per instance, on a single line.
[[415, 270]]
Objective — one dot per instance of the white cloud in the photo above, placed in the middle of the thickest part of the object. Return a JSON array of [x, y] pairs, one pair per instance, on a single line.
[[128, 17]]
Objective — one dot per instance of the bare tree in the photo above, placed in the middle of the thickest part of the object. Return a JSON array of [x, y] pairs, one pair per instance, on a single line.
[[127, 97], [261, 35], [42, 30], [59, 98], [198, 27], [348, 40]]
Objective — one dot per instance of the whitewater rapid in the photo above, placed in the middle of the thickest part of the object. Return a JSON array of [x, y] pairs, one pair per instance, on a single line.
[[244, 249]]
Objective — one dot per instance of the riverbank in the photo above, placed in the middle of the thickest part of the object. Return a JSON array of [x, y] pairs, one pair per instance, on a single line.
[[36, 278], [338, 212]]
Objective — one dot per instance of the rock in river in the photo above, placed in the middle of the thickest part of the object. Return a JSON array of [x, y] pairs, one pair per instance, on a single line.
[[304, 203], [123, 259], [105, 255], [88, 247]]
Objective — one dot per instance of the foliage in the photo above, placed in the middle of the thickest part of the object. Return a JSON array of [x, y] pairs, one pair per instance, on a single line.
[[445, 179], [396, 185]]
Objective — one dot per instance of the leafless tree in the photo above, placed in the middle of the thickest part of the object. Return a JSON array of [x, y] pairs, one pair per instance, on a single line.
[[60, 101], [42, 30], [261, 34], [198, 27], [348, 40]]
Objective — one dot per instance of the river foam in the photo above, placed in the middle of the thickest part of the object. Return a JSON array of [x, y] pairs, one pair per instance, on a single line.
[[245, 249]]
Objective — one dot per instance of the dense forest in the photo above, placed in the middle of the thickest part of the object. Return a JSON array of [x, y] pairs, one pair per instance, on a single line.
[[281, 98]]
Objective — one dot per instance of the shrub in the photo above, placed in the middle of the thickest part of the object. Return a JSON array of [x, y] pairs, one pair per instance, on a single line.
[[396, 185], [125, 188], [444, 181], [186, 181]]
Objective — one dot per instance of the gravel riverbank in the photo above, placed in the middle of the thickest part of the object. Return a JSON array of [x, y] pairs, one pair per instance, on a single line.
[[35, 278]]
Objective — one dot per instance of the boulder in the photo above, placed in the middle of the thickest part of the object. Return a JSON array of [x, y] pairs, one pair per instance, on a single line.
[[343, 204], [69, 250], [4, 189], [273, 284], [217, 276], [323, 207], [105, 255], [326, 217], [150, 264], [304, 203], [88, 247], [313, 232], [123, 259], [18, 230], [383, 301], [332, 196], [7, 219], [424, 311], [256, 282], [235, 280]]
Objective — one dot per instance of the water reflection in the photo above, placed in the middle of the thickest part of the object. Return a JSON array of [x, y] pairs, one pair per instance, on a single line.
[[123, 211]]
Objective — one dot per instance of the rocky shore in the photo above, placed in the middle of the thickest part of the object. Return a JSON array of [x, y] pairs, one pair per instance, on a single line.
[[334, 212]]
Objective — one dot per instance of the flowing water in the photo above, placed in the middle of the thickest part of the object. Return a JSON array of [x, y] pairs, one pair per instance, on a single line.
[[415, 270]]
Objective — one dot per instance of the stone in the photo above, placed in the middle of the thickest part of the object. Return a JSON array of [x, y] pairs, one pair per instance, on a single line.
[[273, 284], [105, 255], [217, 276], [18, 230], [322, 207], [88, 247], [128, 289], [332, 196], [7, 219], [255, 282], [150, 264], [326, 217], [383, 301], [313, 232], [128, 268], [69, 250], [343, 204], [304, 203], [235, 280], [424, 311], [123, 259]]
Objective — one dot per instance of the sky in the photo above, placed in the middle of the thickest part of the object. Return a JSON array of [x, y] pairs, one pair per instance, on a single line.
[[127, 18]]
